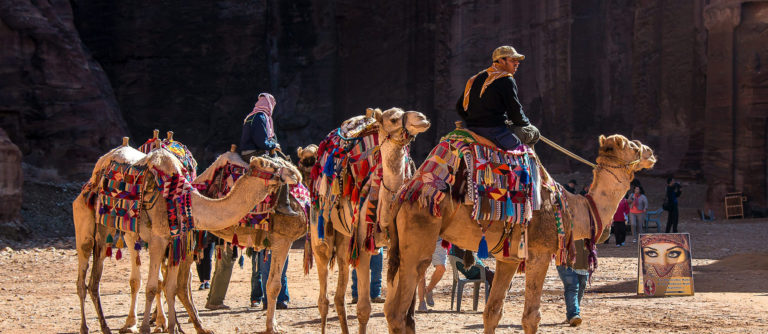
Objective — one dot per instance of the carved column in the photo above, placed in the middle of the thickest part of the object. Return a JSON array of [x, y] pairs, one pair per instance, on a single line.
[[720, 21]]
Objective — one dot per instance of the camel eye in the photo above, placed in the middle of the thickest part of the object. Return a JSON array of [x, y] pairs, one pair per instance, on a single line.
[[609, 149]]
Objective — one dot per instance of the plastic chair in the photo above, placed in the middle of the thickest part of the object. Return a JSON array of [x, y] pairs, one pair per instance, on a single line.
[[459, 282], [653, 217]]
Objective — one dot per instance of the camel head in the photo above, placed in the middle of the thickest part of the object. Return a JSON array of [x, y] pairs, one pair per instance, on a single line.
[[632, 155], [307, 160], [400, 125], [307, 156], [274, 171]]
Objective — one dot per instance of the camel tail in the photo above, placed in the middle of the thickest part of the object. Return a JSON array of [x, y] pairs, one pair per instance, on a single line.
[[394, 245], [307, 256]]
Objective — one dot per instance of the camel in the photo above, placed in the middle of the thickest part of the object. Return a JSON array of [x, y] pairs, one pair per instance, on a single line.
[[414, 231], [396, 129], [283, 231], [263, 177]]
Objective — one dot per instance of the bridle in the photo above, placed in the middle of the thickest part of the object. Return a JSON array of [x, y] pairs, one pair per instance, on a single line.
[[627, 167], [406, 136], [267, 176]]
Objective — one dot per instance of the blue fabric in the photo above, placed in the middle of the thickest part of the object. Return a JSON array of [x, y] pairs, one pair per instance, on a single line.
[[573, 289], [283, 296], [499, 135], [256, 292], [254, 135], [377, 262]]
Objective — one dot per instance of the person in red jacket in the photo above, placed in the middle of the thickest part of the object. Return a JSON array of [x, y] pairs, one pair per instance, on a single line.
[[619, 221]]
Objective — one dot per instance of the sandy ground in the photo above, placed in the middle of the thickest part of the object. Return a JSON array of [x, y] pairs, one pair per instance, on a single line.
[[37, 293]]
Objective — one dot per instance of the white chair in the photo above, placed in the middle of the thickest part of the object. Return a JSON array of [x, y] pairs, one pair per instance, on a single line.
[[459, 281]]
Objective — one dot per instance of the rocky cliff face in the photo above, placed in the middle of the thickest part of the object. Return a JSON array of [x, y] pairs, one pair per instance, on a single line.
[[56, 103], [649, 69], [10, 189]]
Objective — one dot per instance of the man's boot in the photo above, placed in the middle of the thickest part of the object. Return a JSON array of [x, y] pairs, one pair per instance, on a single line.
[[284, 203]]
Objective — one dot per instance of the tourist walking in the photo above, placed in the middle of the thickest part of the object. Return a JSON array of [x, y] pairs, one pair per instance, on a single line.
[[619, 222], [574, 282], [637, 211], [439, 260]]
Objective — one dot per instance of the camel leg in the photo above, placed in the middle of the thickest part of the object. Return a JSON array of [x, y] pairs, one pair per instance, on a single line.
[[536, 270], [339, 299], [185, 295], [280, 247], [494, 308], [159, 318], [363, 291], [415, 256], [171, 284], [99, 253], [135, 282], [85, 228], [156, 250], [322, 258]]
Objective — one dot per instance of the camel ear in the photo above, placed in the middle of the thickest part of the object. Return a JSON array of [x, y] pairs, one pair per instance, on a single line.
[[369, 112], [601, 139], [377, 114], [298, 151]]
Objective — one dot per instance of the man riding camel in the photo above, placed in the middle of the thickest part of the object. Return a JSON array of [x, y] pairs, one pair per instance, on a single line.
[[259, 138], [490, 106]]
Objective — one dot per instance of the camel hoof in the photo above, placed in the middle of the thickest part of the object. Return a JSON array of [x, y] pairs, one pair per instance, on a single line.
[[83, 328], [205, 331], [129, 329], [160, 329]]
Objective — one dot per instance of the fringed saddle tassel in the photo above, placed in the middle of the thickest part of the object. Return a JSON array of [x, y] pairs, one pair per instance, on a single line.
[[218, 252], [370, 242], [120, 243], [482, 249], [119, 254], [241, 262], [347, 185], [521, 267], [354, 252], [445, 244], [321, 226], [505, 247], [510, 207], [234, 240], [110, 240], [266, 242], [335, 187], [109, 251]]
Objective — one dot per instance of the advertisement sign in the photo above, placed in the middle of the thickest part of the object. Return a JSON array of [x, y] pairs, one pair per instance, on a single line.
[[664, 265]]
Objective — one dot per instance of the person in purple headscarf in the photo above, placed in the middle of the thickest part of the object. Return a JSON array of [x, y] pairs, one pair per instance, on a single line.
[[259, 138]]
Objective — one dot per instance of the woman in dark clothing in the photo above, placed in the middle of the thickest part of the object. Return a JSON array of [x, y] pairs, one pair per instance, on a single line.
[[673, 192]]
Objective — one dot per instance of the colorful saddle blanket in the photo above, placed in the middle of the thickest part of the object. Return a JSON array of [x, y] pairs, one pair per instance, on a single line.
[[501, 185], [177, 148], [120, 194], [349, 166]]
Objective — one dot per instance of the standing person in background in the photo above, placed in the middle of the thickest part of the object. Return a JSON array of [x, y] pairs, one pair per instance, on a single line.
[[263, 259], [584, 190], [574, 282], [571, 186], [221, 275], [673, 192], [619, 222], [637, 210], [439, 260], [205, 264], [377, 265]]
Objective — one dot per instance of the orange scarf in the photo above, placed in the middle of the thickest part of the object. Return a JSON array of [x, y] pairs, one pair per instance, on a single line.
[[493, 74]]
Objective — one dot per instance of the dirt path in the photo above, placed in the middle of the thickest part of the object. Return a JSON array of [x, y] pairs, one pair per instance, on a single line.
[[37, 293]]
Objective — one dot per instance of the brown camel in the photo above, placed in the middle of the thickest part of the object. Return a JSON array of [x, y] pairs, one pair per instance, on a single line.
[[396, 129], [209, 214], [415, 232], [283, 231]]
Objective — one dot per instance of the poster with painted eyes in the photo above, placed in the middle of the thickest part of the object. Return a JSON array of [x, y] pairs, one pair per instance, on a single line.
[[664, 265]]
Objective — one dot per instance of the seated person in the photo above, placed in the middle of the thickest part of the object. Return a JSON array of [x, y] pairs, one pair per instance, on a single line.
[[474, 271]]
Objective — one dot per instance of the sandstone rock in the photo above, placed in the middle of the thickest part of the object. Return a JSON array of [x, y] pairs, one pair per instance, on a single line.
[[10, 190], [56, 102]]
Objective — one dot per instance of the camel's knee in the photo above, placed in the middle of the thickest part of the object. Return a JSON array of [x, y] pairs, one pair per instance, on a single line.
[[338, 299], [135, 284]]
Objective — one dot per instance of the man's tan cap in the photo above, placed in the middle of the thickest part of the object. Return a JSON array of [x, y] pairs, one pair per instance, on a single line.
[[506, 51]]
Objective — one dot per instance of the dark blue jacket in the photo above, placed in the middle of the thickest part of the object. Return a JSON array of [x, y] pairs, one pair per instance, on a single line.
[[255, 134]]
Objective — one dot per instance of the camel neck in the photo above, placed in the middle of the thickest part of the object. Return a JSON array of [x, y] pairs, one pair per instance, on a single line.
[[606, 192], [216, 214], [395, 164]]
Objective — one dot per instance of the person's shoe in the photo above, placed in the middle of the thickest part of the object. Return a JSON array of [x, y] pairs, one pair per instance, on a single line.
[[378, 300], [423, 307], [430, 299], [618, 245], [281, 306], [207, 285], [575, 321], [217, 307], [634, 240], [354, 300], [255, 303], [202, 286]]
